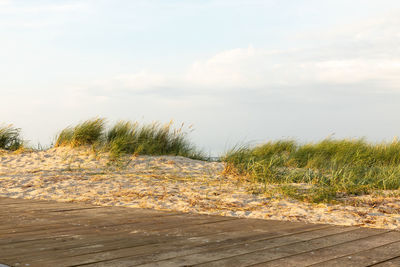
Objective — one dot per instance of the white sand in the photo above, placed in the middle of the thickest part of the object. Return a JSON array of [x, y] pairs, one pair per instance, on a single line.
[[169, 183]]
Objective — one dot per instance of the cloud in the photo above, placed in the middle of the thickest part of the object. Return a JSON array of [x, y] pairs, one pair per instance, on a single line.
[[352, 57], [353, 62], [233, 68], [367, 52], [260, 70]]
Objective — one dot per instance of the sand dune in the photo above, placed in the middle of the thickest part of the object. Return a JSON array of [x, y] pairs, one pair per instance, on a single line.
[[168, 183]]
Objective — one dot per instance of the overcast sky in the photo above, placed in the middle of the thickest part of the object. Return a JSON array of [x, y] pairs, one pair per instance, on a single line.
[[238, 70]]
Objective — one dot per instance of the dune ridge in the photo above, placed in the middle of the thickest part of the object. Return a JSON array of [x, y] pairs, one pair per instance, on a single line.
[[172, 183]]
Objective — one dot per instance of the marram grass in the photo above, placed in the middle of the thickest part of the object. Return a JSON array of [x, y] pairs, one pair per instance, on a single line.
[[89, 132], [127, 137], [315, 172], [10, 138], [150, 139], [332, 168]]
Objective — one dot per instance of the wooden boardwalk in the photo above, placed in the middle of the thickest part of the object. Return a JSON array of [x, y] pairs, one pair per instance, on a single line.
[[44, 233]]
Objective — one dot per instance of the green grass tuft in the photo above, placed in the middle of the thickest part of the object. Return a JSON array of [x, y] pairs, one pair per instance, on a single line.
[[150, 139], [332, 167], [10, 138], [130, 138], [89, 132]]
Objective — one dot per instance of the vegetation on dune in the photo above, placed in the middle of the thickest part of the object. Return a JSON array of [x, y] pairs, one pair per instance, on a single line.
[[89, 132], [332, 168], [151, 139], [130, 138], [315, 172], [10, 138]]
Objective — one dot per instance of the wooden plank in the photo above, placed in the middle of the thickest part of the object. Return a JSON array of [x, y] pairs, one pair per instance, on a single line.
[[74, 225], [48, 233], [118, 244], [102, 221], [395, 262], [232, 228], [307, 258], [172, 244], [144, 224], [19, 223], [365, 258], [138, 226], [268, 247], [143, 228], [233, 239], [81, 230], [65, 255], [285, 251], [107, 213], [268, 225]]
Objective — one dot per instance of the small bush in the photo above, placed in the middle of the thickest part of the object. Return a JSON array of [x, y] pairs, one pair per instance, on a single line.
[[10, 138]]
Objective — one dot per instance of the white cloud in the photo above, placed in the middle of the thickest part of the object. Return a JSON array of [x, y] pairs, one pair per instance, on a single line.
[[367, 53], [361, 64], [232, 68], [386, 72], [261, 69]]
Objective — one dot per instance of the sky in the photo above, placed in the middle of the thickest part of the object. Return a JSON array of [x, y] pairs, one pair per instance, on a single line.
[[239, 71]]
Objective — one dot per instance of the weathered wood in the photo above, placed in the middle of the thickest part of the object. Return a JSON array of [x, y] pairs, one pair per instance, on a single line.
[[286, 251], [199, 243], [178, 257], [345, 247], [395, 262], [47, 233], [365, 258], [99, 227], [255, 252]]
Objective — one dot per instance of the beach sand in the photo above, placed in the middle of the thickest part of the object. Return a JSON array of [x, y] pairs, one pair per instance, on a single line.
[[171, 183]]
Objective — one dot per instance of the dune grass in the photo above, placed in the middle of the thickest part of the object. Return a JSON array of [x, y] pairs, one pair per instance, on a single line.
[[89, 132], [150, 139], [331, 168], [10, 138], [127, 137]]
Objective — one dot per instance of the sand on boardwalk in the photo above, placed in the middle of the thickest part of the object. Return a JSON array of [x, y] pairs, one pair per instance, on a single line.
[[170, 183]]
